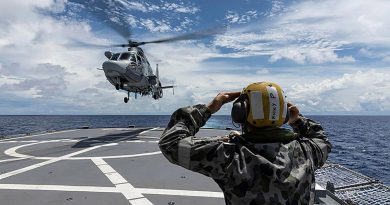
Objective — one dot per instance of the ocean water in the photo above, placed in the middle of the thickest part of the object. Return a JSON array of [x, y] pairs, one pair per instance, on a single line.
[[361, 143]]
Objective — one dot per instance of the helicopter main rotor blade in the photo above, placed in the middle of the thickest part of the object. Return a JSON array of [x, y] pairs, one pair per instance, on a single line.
[[77, 43], [107, 12], [122, 31], [190, 36]]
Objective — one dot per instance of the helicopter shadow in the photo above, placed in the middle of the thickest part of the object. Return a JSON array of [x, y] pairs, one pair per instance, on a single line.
[[106, 139]]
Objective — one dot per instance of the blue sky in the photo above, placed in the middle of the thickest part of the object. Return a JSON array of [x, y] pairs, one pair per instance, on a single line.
[[331, 57]]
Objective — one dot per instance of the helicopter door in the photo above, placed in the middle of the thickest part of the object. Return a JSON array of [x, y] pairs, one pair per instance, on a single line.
[[144, 65], [133, 60], [139, 61]]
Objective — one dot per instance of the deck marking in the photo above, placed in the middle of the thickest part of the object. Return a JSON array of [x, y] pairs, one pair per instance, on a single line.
[[34, 166], [105, 157], [108, 145], [132, 195], [174, 192], [143, 132], [29, 141], [115, 157], [134, 141], [13, 159], [49, 133], [117, 129], [148, 137], [12, 152], [13, 141], [34, 187], [97, 189]]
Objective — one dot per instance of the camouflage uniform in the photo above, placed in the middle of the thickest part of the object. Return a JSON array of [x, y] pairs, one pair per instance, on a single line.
[[249, 171]]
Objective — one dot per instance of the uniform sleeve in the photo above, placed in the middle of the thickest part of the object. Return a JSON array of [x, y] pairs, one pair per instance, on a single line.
[[206, 155], [313, 137]]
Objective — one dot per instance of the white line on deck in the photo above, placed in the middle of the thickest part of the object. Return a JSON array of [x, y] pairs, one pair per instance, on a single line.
[[12, 151], [134, 141], [116, 129], [10, 160], [132, 195], [112, 157], [49, 133], [148, 137], [181, 192], [59, 188], [5, 142], [34, 166], [171, 192], [143, 132]]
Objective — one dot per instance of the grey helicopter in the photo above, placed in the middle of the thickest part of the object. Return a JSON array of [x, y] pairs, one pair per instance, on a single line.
[[131, 71]]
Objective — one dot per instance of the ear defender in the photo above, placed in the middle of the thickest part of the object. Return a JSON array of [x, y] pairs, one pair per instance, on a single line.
[[239, 109], [261, 104]]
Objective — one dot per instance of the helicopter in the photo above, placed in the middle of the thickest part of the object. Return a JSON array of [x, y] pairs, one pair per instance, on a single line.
[[131, 71]]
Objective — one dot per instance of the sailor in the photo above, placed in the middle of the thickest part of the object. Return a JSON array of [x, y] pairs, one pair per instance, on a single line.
[[265, 164]]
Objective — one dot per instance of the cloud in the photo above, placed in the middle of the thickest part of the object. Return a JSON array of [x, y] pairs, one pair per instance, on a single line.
[[55, 79], [155, 25], [313, 56], [118, 14], [277, 8], [357, 21], [180, 8], [310, 32], [234, 17], [361, 91], [43, 81], [262, 71]]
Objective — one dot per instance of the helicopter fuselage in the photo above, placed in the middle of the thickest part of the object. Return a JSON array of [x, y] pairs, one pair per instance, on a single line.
[[131, 71]]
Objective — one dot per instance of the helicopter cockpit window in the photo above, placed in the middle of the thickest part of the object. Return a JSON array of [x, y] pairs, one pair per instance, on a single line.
[[115, 56], [132, 59], [124, 56], [139, 60]]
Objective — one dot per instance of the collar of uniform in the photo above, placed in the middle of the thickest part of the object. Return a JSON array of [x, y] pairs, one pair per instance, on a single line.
[[269, 135]]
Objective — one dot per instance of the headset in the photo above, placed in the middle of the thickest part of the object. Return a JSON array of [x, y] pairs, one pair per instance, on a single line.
[[240, 110]]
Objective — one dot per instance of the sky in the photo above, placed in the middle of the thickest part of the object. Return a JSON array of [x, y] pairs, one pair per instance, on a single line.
[[331, 57]]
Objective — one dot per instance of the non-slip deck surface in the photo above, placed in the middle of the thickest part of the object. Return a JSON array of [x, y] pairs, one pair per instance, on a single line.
[[98, 166]]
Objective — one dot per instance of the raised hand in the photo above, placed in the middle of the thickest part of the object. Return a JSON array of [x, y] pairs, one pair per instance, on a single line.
[[294, 113], [221, 99]]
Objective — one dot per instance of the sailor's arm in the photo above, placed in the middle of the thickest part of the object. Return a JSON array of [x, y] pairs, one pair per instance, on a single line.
[[200, 154], [314, 136], [185, 122]]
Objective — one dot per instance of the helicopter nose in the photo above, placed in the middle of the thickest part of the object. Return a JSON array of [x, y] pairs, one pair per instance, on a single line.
[[110, 66], [120, 69]]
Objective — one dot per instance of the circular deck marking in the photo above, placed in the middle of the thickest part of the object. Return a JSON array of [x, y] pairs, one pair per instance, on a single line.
[[134, 195], [12, 152]]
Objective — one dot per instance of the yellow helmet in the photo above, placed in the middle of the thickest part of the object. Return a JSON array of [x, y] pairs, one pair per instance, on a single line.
[[261, 104]]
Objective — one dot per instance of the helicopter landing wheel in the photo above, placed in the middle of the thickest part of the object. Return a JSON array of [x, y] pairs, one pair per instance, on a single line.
[[117, 86], [126, 99]]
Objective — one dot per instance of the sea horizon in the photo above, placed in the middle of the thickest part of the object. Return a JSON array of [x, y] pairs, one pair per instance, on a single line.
[[359, 142], [374, 115]]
